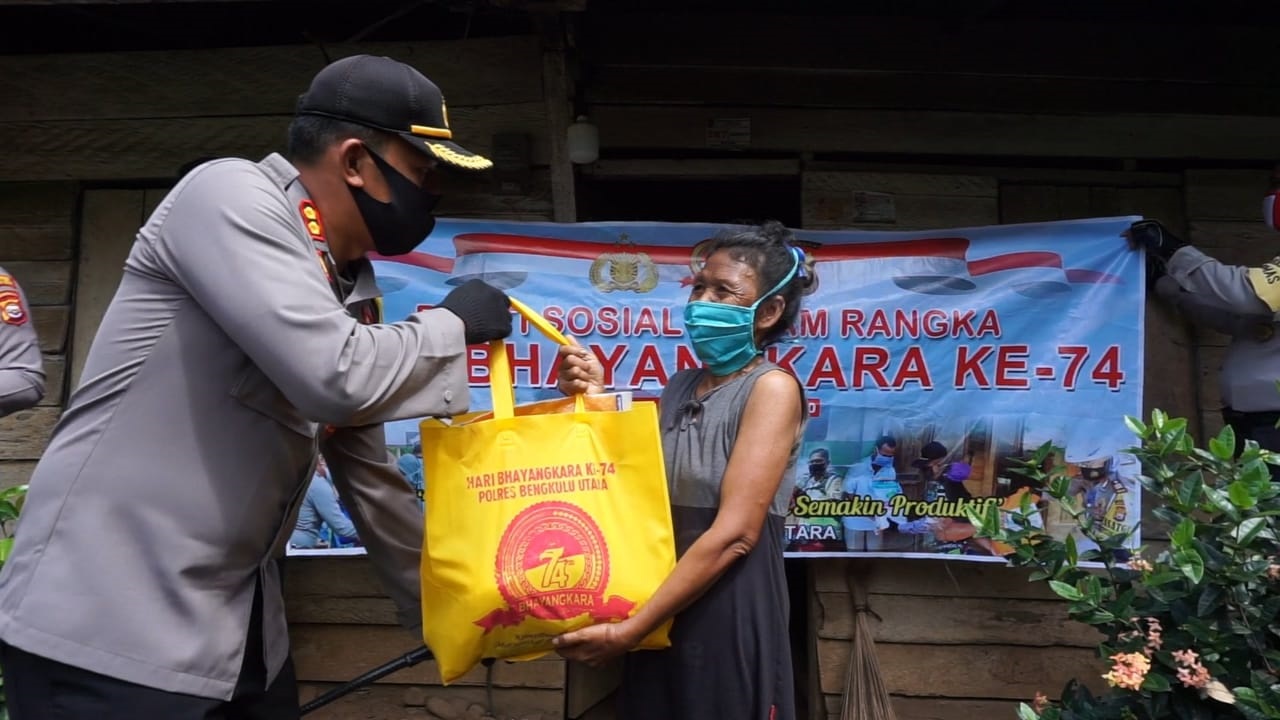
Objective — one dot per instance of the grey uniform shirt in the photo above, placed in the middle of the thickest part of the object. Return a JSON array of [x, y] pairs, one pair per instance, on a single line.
[[21, 366], [173, 479], [1230, 299]]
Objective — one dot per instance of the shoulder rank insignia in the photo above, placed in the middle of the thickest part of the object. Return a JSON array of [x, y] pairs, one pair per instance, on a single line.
[[311, 219]]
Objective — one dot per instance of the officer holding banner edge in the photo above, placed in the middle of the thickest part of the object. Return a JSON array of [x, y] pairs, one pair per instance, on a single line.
[[1241, 302], [244, 337]]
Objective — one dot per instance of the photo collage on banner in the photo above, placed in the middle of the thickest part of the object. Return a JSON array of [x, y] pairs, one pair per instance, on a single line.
[[931, 361]]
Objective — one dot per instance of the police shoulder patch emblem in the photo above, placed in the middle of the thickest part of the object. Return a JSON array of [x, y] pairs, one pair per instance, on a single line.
[[12, 311]]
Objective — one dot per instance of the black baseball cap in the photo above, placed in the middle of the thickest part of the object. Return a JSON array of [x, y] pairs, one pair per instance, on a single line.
[[388, 95], [931, 451]]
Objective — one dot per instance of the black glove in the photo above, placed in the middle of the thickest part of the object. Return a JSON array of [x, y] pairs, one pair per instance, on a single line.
[[1156, 269], [1155, 237], [483, 309]]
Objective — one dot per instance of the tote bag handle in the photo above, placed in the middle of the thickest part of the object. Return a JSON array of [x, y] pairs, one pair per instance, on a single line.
[[500, 384]]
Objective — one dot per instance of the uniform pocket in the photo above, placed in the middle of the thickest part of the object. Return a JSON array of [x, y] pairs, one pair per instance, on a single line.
[[256, 392]]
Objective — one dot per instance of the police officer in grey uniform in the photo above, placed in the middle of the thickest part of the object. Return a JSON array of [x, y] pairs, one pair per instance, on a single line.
[[243, 338], [21, 366], [1241, 302]]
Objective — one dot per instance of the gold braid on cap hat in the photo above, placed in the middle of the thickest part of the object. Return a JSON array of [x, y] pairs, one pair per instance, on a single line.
[[449, 155]]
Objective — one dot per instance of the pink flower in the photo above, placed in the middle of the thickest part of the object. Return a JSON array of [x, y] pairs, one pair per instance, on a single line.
[[1190, 672], [1273, 571], [1155, 639], [1040, 702], [1128, 670]]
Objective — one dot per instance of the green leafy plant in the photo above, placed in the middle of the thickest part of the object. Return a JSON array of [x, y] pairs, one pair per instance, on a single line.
[[11, 500], [1191, 631]]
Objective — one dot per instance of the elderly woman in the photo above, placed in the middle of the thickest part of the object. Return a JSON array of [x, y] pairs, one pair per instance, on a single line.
[[731, 431]]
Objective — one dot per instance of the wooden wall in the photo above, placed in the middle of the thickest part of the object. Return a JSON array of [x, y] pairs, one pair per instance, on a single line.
[[96, 142], [954, 640]]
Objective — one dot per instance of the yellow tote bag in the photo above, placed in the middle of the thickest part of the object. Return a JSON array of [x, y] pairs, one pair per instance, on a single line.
[[538, 524]]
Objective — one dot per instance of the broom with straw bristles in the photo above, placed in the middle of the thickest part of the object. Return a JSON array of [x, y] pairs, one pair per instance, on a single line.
[[865, 696]]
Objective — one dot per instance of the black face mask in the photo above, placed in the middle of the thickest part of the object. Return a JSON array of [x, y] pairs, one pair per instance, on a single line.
[[817, 469], [399, 226]]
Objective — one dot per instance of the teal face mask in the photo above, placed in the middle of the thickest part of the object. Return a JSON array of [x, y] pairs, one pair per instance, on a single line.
[[724, 336]]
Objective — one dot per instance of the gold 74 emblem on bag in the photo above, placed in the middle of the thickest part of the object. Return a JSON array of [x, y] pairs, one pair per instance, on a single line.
[[553, 564]]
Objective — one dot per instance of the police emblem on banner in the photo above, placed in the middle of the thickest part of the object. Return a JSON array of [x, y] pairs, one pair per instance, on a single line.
[[624, 269]]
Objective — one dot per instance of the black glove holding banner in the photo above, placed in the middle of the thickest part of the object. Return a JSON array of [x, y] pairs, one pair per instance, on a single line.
[[1155, 237], [1159, 243], [483, 309]]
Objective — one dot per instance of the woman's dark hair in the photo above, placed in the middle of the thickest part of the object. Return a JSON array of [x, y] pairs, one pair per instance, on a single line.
[[886, 441], [770, 250], [311, 135]]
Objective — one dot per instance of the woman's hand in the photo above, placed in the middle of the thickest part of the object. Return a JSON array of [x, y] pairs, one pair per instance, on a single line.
[[580, 370], [597, 644]]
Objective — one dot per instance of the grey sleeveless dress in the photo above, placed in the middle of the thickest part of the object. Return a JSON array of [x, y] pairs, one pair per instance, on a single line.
[[731, 654]]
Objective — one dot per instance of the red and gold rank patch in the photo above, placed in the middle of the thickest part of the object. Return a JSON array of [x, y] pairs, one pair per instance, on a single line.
[[311, 219], [12, 311], [7, 281]]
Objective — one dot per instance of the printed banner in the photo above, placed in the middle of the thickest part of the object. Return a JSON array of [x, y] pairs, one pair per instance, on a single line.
[[930, 360]]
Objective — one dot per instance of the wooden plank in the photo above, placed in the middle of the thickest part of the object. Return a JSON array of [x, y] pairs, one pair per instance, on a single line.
[[716, 168], [1005, 174], [968, 671], [43, 282], [1210, 387], [946, 133], [589, 692], [1211, 419], [897, 201], [37, 203], [1169, 377], [1028, 48], [808, 672], [157, 148], [51, 326], [958, 621], [1226, 194], [15, 472], [331, 577], [473, 196], [908, 708], [55, 372], [1235, 242], [228, 82], [337, 653], [558, 95], [1043, 203], [932, 577], [36, 221], [341, 610], [905, 183], [24, 434], [109, 223], [926, 91], [382, 701]]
